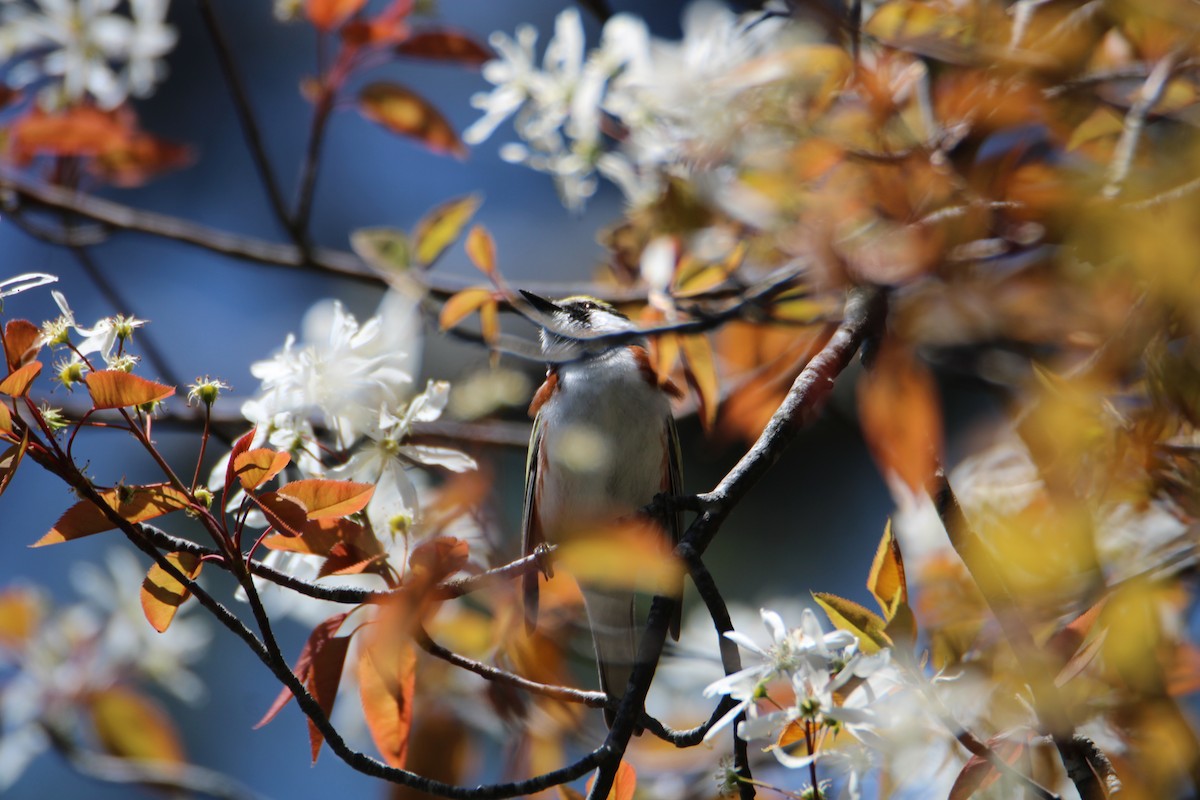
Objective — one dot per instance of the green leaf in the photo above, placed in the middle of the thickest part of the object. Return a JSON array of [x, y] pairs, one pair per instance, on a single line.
[[441, 228], [387, 250]]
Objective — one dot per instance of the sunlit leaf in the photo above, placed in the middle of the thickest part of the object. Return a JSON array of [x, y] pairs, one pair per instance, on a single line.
[[1101, 123], [886, 579], [325, 15], [481, 249], [700, 368], [22, 341], [20, 615], [406, 113], [441, 228], [255, 467], [284, 514], [901, 416], [462, 304], [324, 499], [130, 725], [849, 616], [979, 772], [385, 249], [112, 388], [132, 503], [318, 640], [624, 782], [17, 384], [239, 447], [635, 555], [445, 44], [439, 557], [162, 594], [328, 658], [10, 459], [386, 683], [5, 419], [489, 322]]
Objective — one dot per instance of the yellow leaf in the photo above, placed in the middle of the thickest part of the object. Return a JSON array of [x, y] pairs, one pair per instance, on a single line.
[[406, 113], [386, 680], [848, 615], [133, 503], [462, 304], [886, 579], [441, 227], [634, 555], [20, 615], [162, 594], [701, 371], [901, 416], [17, 384], [481, 249], [386, 249], [326, 499], [1101, 123], [255, 467], [111, 388], [5, 419], [131, 726]]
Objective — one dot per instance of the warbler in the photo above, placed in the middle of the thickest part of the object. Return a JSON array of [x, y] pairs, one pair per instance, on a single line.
[[603, 446]]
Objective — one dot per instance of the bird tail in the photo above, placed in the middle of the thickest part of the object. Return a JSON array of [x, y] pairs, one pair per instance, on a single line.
[[616, 634]]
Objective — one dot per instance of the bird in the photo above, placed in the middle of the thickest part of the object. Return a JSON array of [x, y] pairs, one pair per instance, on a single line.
[[603, 446]]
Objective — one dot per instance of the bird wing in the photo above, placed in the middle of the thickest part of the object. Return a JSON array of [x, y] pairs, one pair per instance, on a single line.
[[674, 486], [531, 526]]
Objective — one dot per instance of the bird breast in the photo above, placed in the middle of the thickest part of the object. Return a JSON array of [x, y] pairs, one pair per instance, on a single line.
[[604, 446]]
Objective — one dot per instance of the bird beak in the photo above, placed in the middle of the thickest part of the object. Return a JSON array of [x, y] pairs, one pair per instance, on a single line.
[[540, 303]]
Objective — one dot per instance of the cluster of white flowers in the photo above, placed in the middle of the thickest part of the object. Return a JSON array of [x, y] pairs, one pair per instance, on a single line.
[[105, 339], [87, 647], [668, 106], [77, 50], [834, 686], [356, 381]]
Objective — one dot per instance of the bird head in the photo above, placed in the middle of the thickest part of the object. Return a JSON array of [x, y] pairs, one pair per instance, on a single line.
[[567, 324]]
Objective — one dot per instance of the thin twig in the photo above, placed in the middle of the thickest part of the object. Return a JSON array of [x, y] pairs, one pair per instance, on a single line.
[[1135, 120]]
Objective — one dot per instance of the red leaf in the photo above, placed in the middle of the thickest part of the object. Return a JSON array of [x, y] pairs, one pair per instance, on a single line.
[[255, 467], [133, 503], [979, 772], [17, 384], [324, 677], [446, 44], [162, 594], [21, 342], [406, 113], [326, 15], [317, 641], [112, 388], [239, 447], [386, 680], [283, 513], [438, 558], [324, 499]]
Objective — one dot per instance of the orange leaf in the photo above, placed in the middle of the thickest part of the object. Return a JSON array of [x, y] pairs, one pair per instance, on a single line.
[[132, 726], [10, 459], [17, 384], [132, 503], [901, 417], [283, 513], [406, 113], [328, 659], [624, 783], [255, 467], [239, 447], [326, 15], [441, 227], [701, 371], [138, 159], [21, 341], [80, 131], [323, 498], [111, 388], [446, 45], [5, 419], [979, 772], [481, 249], [162, 594], [461, 304], [386, 682], [317, 641], [439, 557], [489, 322]]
